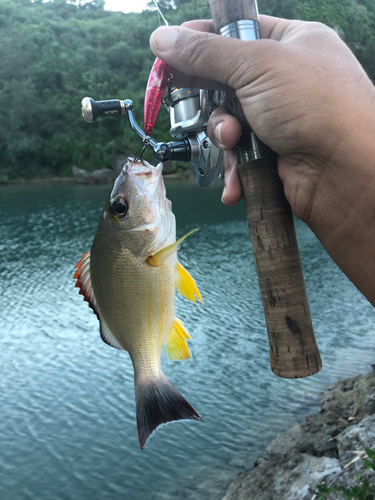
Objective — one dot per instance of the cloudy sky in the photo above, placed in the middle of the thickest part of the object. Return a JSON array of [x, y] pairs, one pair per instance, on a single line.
[[126, 5]]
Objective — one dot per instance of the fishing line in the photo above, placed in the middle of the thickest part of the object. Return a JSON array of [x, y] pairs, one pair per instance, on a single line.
[[160, 12], [146, 139]]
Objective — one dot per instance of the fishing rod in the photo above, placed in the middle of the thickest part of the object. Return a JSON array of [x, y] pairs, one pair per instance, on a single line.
[[293, 349]]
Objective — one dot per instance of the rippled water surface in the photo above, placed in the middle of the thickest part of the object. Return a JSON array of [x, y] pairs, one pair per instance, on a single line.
[[67, 426]]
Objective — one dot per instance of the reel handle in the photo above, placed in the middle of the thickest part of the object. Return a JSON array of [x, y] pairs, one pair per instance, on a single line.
[[91, 110]]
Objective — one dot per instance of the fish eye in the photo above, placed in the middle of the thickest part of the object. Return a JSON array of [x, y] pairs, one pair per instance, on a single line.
[[119, 207]]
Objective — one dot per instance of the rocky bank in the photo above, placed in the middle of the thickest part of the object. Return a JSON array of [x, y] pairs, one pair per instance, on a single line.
[[328, 446]]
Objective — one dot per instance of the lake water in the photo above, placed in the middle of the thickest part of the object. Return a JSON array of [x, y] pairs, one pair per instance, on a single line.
[[67, 426]]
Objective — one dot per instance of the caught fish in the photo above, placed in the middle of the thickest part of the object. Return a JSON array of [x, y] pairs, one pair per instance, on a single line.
[[129, 279]]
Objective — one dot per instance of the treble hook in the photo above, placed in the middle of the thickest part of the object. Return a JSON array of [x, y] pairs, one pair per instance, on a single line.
[[167, 96]]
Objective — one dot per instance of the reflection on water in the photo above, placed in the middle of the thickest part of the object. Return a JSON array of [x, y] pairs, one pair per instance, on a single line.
[[68, 426]]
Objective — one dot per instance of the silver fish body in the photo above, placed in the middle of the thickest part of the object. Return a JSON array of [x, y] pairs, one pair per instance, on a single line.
[[129, 279]]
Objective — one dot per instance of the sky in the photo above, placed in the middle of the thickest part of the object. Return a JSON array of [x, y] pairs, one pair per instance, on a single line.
[[126, 5]]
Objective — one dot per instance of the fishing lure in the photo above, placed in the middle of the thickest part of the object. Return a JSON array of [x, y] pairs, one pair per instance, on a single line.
[[156, 87], [155, 90]]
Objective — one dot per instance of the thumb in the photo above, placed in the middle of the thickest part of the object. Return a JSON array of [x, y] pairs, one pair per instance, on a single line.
[[226, 60]]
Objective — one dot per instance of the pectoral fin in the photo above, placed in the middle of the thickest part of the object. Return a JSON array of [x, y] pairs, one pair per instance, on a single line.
[[177, 347], [161, 255], [186, 285], [107, 336], [82, 275]]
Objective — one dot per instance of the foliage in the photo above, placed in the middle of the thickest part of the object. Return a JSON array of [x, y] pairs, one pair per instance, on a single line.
[[55, 53], [364, 491], [353, 19]]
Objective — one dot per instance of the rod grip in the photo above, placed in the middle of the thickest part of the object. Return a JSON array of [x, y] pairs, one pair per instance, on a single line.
[[293, 349]]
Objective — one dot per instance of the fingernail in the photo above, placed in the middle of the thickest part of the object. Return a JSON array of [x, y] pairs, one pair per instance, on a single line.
[[163, 38], [218, 133], [224, 194]]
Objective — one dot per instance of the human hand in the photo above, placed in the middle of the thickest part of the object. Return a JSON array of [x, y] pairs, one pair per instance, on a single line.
[[295, 94], [305, 95]]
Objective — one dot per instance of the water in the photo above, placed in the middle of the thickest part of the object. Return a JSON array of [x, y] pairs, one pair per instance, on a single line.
[[67, 426]]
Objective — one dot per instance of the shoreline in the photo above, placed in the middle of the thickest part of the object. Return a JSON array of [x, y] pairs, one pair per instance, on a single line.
[[74, 180], [327, 447], [97, 177]]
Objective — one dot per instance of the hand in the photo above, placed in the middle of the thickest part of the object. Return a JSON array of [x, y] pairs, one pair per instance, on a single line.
[[305, 95]]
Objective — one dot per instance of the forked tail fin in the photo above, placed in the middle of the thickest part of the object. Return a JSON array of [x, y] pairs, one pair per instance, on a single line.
[[159, 402]]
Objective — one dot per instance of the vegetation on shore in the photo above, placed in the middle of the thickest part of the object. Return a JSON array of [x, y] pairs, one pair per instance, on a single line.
[[55, 53], [362, 491]]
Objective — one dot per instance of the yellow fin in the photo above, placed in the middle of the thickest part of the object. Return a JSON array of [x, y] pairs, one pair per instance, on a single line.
[[186, 285], [177, 347], [158, 257]]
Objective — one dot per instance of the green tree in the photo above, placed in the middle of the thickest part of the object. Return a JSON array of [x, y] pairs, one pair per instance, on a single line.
[[55, 53]]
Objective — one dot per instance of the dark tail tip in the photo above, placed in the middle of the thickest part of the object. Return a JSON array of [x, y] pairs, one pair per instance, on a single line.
[[159, 402]]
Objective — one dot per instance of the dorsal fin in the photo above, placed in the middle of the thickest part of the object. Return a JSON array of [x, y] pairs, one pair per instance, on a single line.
[[82, 275]]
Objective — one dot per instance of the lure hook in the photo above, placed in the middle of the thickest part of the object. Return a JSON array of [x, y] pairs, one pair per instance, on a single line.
[[146, 142]]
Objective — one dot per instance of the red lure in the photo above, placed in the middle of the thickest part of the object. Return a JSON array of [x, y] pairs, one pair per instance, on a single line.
[[155, 90]]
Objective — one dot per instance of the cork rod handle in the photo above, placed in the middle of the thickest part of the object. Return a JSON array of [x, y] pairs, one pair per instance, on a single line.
[[293, 349]]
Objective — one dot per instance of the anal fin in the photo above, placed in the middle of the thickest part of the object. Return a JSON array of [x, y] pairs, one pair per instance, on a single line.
[[177, 347]]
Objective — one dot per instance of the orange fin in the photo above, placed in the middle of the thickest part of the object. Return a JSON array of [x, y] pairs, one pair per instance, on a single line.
[[82, 275]]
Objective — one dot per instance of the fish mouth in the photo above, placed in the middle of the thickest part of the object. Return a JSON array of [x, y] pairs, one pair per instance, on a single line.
[[141, 168], [146, 177]]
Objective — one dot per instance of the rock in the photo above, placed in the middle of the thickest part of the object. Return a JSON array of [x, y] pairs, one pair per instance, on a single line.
[[370, 407], [259, 461], [298, 460], [293, 479], [120, 162], [349, 397], [281, 447], [102, 176], [357, 438]]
